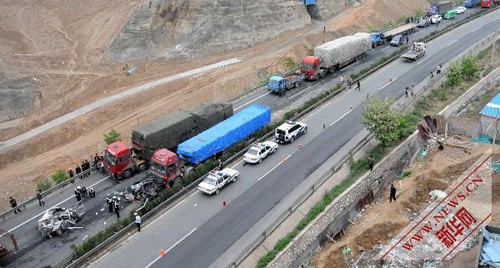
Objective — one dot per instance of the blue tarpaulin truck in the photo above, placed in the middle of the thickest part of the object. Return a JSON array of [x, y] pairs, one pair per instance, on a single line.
[[471, 3], [223, 135], [278, 84]]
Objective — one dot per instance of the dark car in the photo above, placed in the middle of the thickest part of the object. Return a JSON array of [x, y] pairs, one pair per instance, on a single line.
[[424, 22], [397, 40]]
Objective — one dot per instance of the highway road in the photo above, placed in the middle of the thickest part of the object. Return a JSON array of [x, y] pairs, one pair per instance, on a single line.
[[198, 230], [197, 210]]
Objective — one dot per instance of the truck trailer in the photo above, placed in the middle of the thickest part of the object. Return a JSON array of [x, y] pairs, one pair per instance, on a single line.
[[439, 8], [151, 142], [223, 135], [335, 54], [380, 38]]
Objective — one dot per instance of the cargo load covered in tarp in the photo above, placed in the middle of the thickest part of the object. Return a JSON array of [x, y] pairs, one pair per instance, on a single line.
[[225, 134], [175, 128], [342, 50]]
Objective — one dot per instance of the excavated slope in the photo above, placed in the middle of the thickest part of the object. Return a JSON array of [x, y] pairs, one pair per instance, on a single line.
[[196, 28]]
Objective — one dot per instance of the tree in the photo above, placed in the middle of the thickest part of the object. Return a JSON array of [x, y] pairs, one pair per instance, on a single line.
[[289, 62], [60, 175], [454, 75], [384, 122], [112, 136], [469, 67]]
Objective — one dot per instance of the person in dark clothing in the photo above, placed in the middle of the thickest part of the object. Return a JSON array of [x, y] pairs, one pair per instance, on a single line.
[[407, 39], [71, 173], [78, 170], [40, 198], [407, 92], [359, 85], [371, 162], [83, 191], [219, 164], [91, 192], [87, 168], [109, 201], [84, 169], [117, 208], [13, 204], [78, 193], [393, 193]]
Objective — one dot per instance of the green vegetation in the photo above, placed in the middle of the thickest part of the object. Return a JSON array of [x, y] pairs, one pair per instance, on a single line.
[[112, 136], [469, 66], [419, 13], [289, 62], [453, 75], [60, 176], [44, 184], [309, 50]]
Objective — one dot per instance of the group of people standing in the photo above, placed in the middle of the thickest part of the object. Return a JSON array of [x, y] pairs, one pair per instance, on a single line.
[[96, 163], [113, 204]]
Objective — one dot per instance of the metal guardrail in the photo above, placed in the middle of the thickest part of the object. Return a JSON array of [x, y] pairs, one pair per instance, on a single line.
[[71, 262], [46, 193]]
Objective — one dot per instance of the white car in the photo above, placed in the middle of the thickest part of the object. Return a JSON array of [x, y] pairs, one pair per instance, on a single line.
[[290, 131], [460, 10], [215, 181], [259, 151], [436, 19]]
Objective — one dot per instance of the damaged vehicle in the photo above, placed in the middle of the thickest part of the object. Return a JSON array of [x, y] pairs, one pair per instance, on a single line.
[[146, 188], [56, 220]]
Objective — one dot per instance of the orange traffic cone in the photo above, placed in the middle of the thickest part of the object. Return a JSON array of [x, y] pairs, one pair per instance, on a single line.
[[282, 158], [224, 203], [162, 252]]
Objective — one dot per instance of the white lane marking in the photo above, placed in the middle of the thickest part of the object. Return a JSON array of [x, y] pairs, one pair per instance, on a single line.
[[424, 59], [452, 43], [385, 48], [388, 83], [166, 252], [38, 215], [496, 19], [477, 29], [296, 94], [334, 122], [281, 162], [250, 101]]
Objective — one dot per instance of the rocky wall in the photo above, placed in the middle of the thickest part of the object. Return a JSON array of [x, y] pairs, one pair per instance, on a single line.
[[375, 182]]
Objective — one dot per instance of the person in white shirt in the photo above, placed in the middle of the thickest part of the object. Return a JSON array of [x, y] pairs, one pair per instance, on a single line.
[[138, 221]]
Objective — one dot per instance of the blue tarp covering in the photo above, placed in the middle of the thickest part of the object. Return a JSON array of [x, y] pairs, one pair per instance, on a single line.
[[492, 108], [490, 251], [309, 2], [225, 134]]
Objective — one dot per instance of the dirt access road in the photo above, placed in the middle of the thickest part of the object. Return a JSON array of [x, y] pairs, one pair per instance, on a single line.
[[60, 49]]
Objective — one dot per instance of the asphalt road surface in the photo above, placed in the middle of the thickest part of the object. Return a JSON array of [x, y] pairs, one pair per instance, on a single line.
[[198, 230], [198, 209]]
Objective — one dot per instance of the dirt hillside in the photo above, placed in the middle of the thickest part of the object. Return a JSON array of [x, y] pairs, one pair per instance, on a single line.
[[58, 52]]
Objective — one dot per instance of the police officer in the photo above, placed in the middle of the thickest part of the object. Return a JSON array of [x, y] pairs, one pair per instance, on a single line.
[[83, 191], [78, 193], [91, 192], [116, 204], [109, 201]]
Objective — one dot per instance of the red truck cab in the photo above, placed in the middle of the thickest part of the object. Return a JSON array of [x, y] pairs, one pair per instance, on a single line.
[[310, 67], [486, 3], [165, 165], [119, 161]]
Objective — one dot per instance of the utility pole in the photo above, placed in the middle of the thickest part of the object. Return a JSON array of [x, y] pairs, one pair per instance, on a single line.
[[324, 33]]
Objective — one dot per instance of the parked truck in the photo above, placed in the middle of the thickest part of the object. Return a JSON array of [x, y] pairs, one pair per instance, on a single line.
[[489, 3], [472, 3], [439, 8], [278, 84], [380, 38], [223, 135], [416, 51], [334, 55], [122, 161]]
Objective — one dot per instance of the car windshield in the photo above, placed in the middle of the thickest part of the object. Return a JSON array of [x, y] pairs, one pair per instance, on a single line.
[[210, 181], [110, 159], [159, 168], [253, 151], [274, 82], [306, 66]]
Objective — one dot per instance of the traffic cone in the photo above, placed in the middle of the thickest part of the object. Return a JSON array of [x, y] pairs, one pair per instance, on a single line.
[[300, 146], [162, 252], [390, 79], [282, 158], [224, 203]]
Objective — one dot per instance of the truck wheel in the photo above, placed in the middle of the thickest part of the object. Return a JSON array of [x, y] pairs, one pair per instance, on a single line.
[[127, 174], [260, 161], [142, 168], [305, 130], [217, 192], [274, 150], [234, 179], [292, 139], [297, 84]]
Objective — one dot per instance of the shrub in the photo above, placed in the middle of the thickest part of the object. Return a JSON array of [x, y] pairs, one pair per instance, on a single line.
[[453, 76], [440, 94], [60, 176], [309, 50], [406, 173], [44, 184], [470, 68], [289, 62], [112, 136]]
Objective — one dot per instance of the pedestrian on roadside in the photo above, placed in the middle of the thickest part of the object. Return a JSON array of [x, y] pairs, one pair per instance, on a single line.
[[407, 39], [13, 204], [432, 74], [411, 90], [87, 166], [78, 170], [220, 164], [71, 173], [138, 221], [39, 196], [438, 69], [371, 162], [84, 169], [393, 193], [407, 92], [359, 85], [342, 79], [349, 82], [367, 95]]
